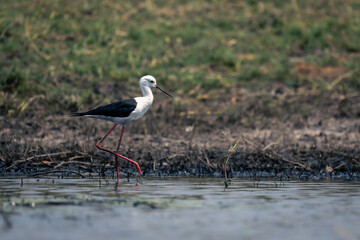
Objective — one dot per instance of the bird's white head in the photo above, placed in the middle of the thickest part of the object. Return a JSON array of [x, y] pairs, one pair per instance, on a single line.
[[148, 81]]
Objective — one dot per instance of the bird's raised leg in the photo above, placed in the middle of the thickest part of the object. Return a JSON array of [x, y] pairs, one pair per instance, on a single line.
[[117, 151], [116, 154]]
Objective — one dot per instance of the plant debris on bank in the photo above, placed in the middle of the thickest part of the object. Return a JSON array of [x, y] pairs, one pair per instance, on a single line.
[[287, 147]]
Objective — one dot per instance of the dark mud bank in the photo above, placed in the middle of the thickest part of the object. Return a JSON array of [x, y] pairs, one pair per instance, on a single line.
[[65, 146]]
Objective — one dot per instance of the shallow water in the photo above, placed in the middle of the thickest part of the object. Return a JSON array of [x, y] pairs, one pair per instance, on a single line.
[[178, 208]]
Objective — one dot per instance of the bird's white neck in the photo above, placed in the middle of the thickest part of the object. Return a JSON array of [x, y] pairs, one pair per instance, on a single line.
[[144, 102], [146, 91]]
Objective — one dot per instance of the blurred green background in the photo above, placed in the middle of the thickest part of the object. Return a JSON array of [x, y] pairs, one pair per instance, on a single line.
[[56, 55]]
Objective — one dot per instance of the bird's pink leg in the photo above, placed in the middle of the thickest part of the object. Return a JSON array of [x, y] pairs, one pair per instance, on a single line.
[[116, 157], [116, 154]]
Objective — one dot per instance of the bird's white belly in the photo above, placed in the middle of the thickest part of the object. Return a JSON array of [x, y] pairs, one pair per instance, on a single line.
[[118, 120]]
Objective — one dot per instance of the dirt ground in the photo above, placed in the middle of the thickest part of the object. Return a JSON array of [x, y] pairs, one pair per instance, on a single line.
[[281, 134]]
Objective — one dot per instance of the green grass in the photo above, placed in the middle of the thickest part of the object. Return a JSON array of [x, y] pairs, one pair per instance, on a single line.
[[60, 49]]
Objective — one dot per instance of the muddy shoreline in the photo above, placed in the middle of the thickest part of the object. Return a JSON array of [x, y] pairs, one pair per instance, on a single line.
[[167, 142]]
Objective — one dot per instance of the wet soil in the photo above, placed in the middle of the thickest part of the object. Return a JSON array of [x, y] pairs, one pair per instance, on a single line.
[[281, 133]]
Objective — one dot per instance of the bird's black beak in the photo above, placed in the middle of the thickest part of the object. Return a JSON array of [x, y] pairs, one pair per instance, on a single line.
[[163, 91]]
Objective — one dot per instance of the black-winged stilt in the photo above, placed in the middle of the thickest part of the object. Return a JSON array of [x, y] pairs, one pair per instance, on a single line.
[[124, 112]]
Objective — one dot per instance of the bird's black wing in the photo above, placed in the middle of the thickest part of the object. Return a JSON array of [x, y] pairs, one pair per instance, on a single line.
[[122, 108]]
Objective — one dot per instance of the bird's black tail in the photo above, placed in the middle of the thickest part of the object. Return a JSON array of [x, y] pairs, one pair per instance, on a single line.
[[77, 114]]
